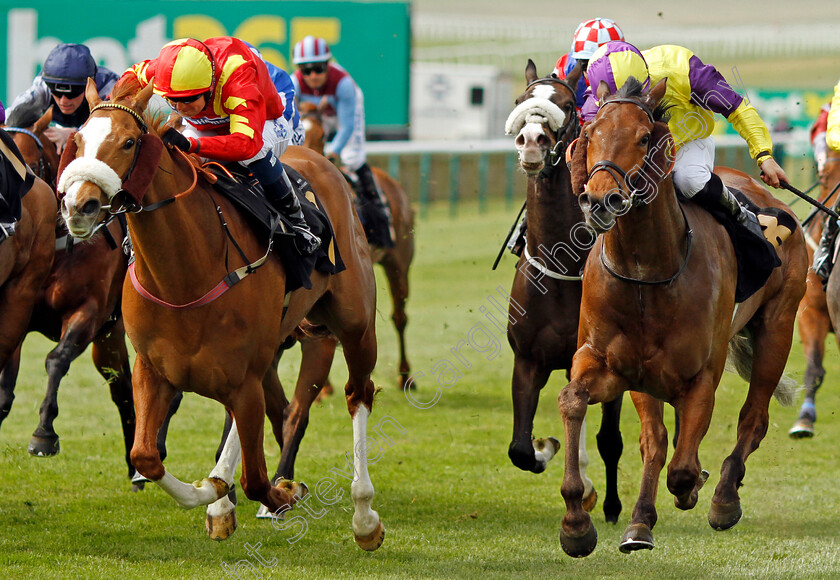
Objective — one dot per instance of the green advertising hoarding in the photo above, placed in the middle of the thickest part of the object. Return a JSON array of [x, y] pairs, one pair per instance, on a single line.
[[372, 40]]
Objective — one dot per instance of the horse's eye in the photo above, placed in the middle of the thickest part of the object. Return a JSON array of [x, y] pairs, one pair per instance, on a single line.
[[129, 144], [645, 140]]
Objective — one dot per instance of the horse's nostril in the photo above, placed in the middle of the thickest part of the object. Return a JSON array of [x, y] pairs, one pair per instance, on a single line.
[[584, 202], [91, 207], [614, 202], [520, 140]]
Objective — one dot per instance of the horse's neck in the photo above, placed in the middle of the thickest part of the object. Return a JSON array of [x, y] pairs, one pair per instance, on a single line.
[[553, 213], [649, 241], [183, 236]]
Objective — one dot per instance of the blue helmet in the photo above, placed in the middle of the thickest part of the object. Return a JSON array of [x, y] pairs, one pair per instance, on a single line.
[[69, 64]]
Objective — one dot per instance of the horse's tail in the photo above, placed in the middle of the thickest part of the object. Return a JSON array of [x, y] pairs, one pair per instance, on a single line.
[[740, 358]]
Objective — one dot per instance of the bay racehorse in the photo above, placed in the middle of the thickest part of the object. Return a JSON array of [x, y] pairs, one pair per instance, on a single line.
[[79, 305], [547, 283], [813, 315], [189, 332], [658, 314], [25, 261]]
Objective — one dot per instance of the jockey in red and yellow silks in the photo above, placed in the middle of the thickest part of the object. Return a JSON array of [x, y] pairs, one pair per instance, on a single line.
[[825, 251], [243, 96], [832, 133], [224, 92]]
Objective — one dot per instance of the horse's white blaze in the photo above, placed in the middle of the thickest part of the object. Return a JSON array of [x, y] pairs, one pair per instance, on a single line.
[[365, 520], [89, 167], [203, 492], [543, 92], [94, 133]]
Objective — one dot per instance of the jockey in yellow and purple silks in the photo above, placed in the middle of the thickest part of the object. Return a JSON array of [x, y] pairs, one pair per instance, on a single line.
[[233, 112], [695, 91], [822, 255]]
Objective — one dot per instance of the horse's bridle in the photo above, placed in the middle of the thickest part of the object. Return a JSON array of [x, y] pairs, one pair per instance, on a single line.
[[570, 129], [634, 195], [42, 168]]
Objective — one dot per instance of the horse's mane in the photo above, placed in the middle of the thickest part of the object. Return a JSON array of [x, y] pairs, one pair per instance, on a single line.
[[634, 88], [125, 90], [24, 115]]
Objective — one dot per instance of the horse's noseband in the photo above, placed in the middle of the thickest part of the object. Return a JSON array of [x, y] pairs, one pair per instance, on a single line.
[[569, 130]]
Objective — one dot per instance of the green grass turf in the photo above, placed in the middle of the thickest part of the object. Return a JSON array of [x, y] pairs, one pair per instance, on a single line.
[[452, 504]]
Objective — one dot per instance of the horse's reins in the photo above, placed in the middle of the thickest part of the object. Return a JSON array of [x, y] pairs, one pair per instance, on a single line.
[[615, 172], [231, 278], [42, 166]]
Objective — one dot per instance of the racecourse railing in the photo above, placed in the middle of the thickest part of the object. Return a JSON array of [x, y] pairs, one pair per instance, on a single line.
[[487, 171]]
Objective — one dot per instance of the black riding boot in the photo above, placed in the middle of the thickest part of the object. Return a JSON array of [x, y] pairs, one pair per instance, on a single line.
[[374, 211], [280, 195], [715, 192], [822, 255]]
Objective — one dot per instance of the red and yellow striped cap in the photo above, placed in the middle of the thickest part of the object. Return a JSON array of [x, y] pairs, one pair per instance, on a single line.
[[184, 68]]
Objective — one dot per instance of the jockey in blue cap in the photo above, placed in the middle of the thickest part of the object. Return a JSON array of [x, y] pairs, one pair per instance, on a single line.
[[62, 83]]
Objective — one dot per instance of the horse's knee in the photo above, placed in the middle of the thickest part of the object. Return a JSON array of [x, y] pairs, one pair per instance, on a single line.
[[148, 464]]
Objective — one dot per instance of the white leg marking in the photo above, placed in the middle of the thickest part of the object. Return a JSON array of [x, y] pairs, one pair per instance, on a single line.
[[225, 469], [190, 495], [365, 520], [583, 459]]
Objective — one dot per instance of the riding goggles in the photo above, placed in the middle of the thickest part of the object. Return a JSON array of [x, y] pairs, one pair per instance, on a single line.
[[65, 90], [184, 100], [317, 68]]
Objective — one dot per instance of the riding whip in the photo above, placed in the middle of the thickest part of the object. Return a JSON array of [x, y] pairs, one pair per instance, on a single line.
[[510, 233], [813, 213], [810, 200]]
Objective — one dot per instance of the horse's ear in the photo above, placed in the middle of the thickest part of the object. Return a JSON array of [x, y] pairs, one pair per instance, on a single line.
[[141, 99], [603, 91], [91, 93], [44, 122], [574, 75], [658, 91], [531, 71], [578, 167]]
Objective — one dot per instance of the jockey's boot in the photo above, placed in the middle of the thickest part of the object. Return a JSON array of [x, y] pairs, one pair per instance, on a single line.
[[822, 255], [281, 196], [374, 211], [7, 230], [716, 192]]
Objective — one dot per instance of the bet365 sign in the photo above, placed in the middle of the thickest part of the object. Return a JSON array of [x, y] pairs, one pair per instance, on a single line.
[[371, 40]]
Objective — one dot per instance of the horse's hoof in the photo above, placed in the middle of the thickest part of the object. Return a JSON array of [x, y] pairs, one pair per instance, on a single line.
[[139, 486], [40, 446], [579, 546], [590, 501], [373, 540], [801, 429], [723, 516], [636, 537], [220, 527], [263, 513], [297, 489]]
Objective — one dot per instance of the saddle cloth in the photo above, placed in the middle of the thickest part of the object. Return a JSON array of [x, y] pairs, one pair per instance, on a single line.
[[756, 258], [246, 193], [15, 180]]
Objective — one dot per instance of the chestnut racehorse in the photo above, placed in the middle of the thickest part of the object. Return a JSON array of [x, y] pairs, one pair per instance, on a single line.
[[547, 284], [658, 314], [78, 305], [813, 317], [25, 261], [219, 344]]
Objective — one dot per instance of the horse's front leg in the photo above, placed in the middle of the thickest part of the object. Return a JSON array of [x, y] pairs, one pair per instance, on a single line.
[[578, 536], [152, 396], [814, 326], [694, 411], [610, 447], [529, 378], [653, 443]]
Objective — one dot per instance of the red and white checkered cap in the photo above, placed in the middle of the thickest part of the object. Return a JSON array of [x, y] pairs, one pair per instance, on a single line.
[[311, 49], [591, 35]]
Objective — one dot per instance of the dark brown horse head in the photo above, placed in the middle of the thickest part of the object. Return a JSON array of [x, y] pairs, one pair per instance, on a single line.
[[623, 153], [39, 153], [545, 116], [98, 159]]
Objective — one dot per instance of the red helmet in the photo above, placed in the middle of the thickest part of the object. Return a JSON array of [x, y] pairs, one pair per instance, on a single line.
[[591, 35], [185, 67], [311, 49]]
